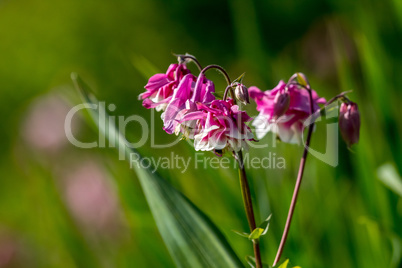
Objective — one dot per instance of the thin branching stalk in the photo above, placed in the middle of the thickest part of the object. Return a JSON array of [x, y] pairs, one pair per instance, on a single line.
[[190, 57], [245, 189], [220, 69], [298, 183]]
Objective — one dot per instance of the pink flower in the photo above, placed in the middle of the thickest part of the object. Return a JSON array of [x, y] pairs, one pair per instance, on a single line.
[[90, 197], [160, 87], [220, 126], [43, 128], [289, 125], [281, 104], [9, 251], [184, 100]]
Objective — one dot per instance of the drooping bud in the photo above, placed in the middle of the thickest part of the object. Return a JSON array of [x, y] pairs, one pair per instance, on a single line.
[[299, 79], [241, 93], [302, 80], [281, 104], [349, 123]]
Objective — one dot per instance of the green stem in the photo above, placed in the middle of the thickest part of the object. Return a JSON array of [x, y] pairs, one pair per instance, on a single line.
[[248, 205]]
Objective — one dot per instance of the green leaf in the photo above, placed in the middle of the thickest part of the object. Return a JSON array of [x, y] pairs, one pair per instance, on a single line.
[[265, 224], [239, 79], [256, 233], [243, 234], [285, 265], [261, 230], [190, 236], [388, 175]]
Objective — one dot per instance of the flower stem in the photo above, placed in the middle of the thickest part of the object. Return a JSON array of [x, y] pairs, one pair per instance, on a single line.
[[298, 183], [225, 94], [225, 74], [214, 66], [190, 57], [248, 205]]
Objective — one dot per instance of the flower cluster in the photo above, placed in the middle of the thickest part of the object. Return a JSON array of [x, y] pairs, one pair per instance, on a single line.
[[285, 109], [190, 108]]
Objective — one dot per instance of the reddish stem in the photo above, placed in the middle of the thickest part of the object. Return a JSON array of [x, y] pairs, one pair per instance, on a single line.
[[298, 183], [248, 205]]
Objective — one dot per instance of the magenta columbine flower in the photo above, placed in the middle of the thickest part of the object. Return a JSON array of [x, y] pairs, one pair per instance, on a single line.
[[281, 104], [220, 127], [189, 92], [160, 87], [283, 110], [191, 108], [349, 123]]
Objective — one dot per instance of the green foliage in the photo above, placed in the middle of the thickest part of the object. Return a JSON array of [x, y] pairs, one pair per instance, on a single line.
[[389, 176], [261, 230], [192, 239]]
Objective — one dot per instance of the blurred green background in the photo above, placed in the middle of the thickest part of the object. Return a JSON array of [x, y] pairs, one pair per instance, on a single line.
[[61, 206]]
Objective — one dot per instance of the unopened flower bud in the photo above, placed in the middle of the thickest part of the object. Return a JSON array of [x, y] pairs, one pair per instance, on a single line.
[[349, 123], [300, 79], [281, 104], [241, 93]]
